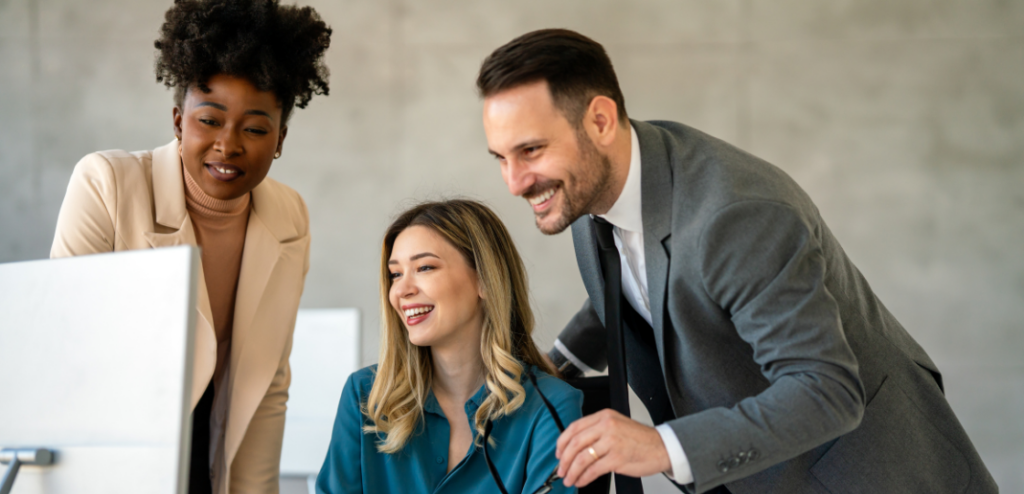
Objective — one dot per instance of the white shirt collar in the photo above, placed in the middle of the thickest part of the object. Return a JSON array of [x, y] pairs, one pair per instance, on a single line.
[[626, 212]]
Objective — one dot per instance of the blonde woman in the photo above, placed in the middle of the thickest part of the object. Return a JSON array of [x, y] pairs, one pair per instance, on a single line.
[[456, 362]]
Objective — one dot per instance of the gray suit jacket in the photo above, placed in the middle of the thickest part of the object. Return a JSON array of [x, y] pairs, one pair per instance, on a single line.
[[784, 371]]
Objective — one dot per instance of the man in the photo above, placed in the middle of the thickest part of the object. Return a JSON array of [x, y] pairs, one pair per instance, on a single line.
[[752, 339]]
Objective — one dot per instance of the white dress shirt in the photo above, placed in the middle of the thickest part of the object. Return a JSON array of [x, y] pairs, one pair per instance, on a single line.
[[628, 229]]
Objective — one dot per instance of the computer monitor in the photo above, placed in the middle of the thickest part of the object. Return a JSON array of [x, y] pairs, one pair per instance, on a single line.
[[325, 351], [96, 364]]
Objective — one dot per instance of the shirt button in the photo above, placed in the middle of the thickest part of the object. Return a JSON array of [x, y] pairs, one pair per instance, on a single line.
[[440, 460]]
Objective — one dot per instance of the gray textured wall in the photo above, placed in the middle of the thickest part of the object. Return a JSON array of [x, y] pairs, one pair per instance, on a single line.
[[904, 121]]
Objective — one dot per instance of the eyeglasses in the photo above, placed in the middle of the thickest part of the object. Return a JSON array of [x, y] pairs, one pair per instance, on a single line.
[[547, 485]]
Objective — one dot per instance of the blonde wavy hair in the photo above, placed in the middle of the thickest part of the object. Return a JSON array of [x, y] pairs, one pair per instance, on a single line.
[[404, 375]]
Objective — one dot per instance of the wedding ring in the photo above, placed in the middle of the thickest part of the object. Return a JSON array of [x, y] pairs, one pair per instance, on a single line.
[[593, 453]]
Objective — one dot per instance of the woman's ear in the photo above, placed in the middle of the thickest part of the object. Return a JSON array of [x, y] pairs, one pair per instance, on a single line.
[[280, 140], [176, 115]]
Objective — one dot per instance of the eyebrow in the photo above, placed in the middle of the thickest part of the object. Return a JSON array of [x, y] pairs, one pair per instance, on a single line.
[[520, 146], [415, 257], [259, 112], [215, 105], [224, 108]]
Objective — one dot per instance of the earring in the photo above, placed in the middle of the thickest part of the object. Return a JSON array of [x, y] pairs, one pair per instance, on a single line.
[[278, 155], [176, 137]]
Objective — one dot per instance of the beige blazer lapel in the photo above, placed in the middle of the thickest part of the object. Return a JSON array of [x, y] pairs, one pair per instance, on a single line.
[[259, 337], [169, 203]]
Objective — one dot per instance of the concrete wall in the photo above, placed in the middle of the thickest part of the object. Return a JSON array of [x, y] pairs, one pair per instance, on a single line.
[[903, 120]]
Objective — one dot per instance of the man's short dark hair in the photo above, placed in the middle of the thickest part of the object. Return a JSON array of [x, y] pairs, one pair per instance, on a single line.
[[575, 67]]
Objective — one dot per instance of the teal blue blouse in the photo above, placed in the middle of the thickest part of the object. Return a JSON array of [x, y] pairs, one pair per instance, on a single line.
[[523, 450]]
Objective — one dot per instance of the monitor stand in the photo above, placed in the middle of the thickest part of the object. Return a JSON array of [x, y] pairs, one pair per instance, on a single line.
[[19, 457]]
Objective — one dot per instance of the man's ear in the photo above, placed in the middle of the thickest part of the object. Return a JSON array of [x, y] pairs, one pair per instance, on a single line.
[[602, 120], [177, 115]]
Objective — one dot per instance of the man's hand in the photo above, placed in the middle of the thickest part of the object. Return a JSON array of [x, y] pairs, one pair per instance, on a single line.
[[621, 445]]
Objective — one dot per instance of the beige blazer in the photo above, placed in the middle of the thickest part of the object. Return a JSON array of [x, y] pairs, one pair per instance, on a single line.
[[123, 201]]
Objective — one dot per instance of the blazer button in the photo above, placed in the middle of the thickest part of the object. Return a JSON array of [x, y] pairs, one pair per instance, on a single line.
[[723, 466], [440, 460], [753, 454], [735, 461]]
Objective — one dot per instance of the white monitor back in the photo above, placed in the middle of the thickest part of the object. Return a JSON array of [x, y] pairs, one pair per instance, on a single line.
[[325, 350], [96, 353]]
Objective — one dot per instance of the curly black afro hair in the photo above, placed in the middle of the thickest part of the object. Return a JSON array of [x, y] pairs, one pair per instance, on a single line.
[[276, 48]]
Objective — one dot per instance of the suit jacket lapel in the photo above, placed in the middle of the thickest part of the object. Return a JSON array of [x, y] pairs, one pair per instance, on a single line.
[[168, 186], [656, 208], [268, 238], [259, 256], [170, 211], [584, 239]]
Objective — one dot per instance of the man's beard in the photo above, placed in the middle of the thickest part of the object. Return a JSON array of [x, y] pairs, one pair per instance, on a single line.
[[590, 179]]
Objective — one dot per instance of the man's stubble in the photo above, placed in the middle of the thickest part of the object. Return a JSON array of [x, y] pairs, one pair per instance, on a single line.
[[591, 180]]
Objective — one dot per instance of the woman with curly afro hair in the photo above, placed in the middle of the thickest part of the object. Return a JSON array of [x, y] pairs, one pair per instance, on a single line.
[[238, 68]]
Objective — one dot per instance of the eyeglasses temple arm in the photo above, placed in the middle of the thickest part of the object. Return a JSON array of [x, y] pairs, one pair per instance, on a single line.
[[489, 425], [551, 409], [487, 458]]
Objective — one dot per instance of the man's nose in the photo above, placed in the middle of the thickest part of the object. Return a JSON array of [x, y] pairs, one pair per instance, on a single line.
[[517, 177]]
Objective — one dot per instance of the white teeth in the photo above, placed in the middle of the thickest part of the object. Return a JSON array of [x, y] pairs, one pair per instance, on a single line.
[[543, 196], [418, 310], [226, 171]]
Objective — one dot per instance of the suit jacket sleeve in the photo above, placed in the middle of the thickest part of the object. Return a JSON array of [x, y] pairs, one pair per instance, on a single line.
[[85, 224], [586, 337], [762, 263]]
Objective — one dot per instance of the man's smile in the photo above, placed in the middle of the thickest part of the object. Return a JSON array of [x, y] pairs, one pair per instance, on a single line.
[[542, 201]]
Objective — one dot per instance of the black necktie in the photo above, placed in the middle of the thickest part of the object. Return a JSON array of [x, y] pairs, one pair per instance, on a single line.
[[612, 268]]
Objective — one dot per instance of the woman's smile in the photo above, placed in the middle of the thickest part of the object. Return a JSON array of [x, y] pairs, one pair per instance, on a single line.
[[223, 171], [416, 313]]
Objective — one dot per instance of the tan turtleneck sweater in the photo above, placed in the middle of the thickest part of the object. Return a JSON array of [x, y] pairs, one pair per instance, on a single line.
[[220, 231]]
